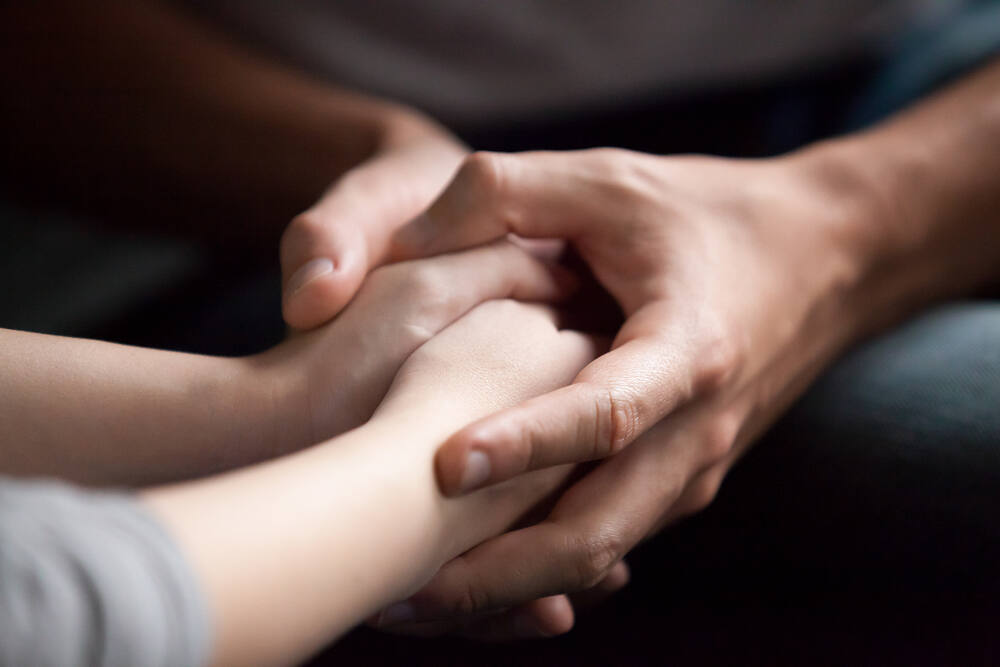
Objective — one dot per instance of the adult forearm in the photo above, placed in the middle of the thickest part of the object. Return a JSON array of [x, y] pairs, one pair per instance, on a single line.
[[931, 177], [100, 413], [136, 104]]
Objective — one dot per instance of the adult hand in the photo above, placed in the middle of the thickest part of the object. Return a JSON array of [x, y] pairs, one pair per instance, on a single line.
[[332, 378], [327, 250], [499, 353], [739, 280]]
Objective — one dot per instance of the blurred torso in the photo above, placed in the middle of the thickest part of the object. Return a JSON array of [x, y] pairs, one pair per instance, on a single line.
[[471, 61]]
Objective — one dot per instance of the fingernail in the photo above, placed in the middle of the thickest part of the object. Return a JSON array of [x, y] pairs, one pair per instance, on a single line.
[[308, 272], [401, 612], [477, 471]]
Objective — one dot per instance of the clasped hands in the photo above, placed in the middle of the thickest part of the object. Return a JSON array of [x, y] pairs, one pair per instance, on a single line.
[[738, 281]]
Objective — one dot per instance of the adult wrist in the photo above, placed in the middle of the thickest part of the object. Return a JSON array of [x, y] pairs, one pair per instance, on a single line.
[[874, 232], [858, 211], [916, 236]]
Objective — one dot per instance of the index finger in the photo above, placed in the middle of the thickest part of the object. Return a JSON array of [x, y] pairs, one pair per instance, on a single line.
[[595, 523], [613, 400]]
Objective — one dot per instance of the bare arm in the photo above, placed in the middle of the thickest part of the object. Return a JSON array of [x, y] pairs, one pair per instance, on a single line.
[[932, 176], [741, 280], [294, 552], [100, 413]]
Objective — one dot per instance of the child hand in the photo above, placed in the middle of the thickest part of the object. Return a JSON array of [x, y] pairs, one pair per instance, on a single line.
[[329, 380]]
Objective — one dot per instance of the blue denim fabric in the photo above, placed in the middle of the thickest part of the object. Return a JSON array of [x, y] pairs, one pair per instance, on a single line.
[[886, 475], [883, 479], [862, 531], [922, 61]]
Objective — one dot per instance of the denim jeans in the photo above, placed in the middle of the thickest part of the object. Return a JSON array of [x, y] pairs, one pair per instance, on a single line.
[[884, 477], [875, 492], [863, 529]]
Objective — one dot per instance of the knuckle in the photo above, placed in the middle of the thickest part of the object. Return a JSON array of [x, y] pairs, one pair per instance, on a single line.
[[719, 361], [427, 286], [424, 299], [484, 172], [471, 600], [486, 176], [412, 335], [616, 423], [703, 493], [629, 176], [596, 555], [720, 437], [430, 297], [611, 158]]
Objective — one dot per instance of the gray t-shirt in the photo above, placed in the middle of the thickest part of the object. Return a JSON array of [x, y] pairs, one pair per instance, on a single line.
[[482, 61], [92, 579]]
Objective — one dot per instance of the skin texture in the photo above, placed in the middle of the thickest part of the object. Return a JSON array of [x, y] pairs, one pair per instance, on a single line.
[[336, 562], [327, 250], [739, 282], [179, 416], [203, 136], [752, 275]]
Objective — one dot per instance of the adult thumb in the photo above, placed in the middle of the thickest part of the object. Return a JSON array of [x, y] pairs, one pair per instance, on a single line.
[[324, 259], [532, 195], [327, 251]]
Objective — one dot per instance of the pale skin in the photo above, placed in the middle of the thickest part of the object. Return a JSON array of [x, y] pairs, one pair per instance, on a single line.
[[309, 535], [178, 416], [319, 534], [751, 276], [196, 114]]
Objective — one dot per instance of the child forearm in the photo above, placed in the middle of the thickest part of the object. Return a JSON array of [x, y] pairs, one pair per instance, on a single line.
[[100, 413], [110, 414], [294, 552]]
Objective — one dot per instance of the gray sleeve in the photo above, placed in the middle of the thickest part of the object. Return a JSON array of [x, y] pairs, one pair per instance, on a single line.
[[92, 578]]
